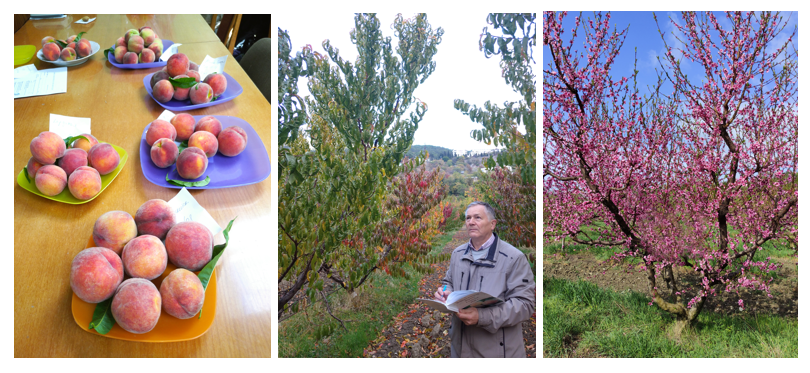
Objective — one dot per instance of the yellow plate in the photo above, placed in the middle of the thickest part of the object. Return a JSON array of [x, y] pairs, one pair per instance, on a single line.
[[23, 54], [65, 196], [168, 328]]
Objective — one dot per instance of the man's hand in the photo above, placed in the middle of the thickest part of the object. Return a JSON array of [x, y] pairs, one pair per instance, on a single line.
[[469, 316], [441, 295]]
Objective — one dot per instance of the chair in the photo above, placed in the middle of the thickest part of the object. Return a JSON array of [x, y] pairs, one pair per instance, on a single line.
[[227, 35], [257, 64]]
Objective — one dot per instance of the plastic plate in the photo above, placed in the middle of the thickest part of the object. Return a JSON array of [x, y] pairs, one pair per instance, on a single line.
[[249, 167], [233, 90], [75, 62], [23, 54], [65, 196], [111, 58], [168, 328]]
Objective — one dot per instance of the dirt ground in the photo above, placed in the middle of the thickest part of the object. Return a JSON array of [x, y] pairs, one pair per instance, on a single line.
[[784, 288], [421, 331]]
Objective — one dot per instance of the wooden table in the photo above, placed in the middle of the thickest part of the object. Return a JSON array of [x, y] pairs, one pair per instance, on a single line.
[[48, 234]]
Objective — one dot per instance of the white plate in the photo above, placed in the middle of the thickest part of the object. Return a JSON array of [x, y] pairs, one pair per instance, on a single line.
[[75, 62]]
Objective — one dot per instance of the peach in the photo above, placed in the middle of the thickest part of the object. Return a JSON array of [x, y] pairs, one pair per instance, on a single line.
[[84, 183], [200, 93], [157, 48], [130, 33], [163, 91], [68, 54], [193, 66], [114, 229], [119, 53], [191, 163], [193, 74], [209, 124], [177, 64], [130, 58], [47, 39], [85, 144], [148, 36], [121, 42], [217, 82], [184, 124], [189, 245], [136, 305], [51, 51], [95, 274], [206, 141], [84, 48], [232, 141], [144, 257], [32, 167], [72, 45], [163, 153], [158, 76], [159, 129], [50, 180], [135, 44], [181, 94], [73, 159], [155, 217], [104, 158], [70, 39], [47, 147], [146, 56], [144, 28], [182, 294]]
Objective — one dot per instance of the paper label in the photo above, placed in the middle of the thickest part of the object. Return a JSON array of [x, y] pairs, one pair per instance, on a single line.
[[166, 115], [169, 52], [186, 208], [25, 72], [212, 65], [83, 22], [45, 82], [68, 126]]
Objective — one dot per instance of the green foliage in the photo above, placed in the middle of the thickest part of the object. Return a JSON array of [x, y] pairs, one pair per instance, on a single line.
[[514, 45], [515, 205], [103, 319], [434, 151], [291, 109]]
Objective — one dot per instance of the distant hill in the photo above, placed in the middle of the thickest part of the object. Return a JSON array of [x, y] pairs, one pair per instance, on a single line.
[[433, 151]]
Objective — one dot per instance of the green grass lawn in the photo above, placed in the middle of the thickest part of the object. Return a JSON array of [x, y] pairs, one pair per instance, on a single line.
[[582, 320]]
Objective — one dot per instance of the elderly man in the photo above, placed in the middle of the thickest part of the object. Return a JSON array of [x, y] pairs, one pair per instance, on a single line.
[[497, 268]]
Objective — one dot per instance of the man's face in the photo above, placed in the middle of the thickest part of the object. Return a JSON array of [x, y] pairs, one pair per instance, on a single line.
[[478, 223]]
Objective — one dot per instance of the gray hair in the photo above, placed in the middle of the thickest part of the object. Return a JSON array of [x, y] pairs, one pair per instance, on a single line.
[[490, 210]]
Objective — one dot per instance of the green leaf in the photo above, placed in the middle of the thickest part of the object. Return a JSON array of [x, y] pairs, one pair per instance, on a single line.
[[61, 44], [189, 183], [108, 51], [183, 82], [25, 171], [79, 37], [183, 145], [103, 319], [71, 139], [205, 273]]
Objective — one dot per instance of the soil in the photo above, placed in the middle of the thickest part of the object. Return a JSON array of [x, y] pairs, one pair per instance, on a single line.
[[784, 288], [420, 331]]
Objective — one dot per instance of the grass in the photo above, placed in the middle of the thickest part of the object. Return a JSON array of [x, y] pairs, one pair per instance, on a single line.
[[582, 320], [313, 333]]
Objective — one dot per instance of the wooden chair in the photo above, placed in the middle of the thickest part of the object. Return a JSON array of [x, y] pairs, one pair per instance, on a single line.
[[227, 35], [19, 21]]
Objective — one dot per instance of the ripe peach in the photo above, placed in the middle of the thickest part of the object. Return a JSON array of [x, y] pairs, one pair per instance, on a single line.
[[163, 153], [182, 294], [130, 58], [177, 64], [206, 141], [104, 158], [201, 93], [130, 33], [155, 217], [189, 245], [50, 180], [47, 147], [193, 66], [193, 74], [119, 53], [68, 54], [51, 51], [72, 45], [232, 141], [209, 124], [32, 167], [114, 229], [95, 274], [70, 39], [73, 159], [159, 129], [84, 183], [158, 76], [217, 82], [181, 94], [144, 28], [136, 305], [157, 48], [184, 124], [191, 163], [163, 91], [144, 257], [84, 48], [135, 44], [121, 42], [47, 39], [146, 56], [148, 36], [85, 144]]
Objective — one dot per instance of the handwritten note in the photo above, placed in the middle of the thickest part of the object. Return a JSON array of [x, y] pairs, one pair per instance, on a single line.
[[169, 52], [212, 65], [40, 83], [166, 115], [186, 208], [68, 126]]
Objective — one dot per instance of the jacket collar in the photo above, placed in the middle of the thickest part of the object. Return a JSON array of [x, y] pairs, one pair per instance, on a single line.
[[491, 254]]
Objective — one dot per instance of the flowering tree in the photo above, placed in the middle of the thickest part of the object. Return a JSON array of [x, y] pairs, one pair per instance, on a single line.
[[699, 173]]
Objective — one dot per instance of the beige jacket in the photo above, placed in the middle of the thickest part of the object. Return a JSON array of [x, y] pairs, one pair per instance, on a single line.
[[504, 273]]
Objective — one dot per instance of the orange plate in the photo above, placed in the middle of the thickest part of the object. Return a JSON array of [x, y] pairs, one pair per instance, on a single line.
[[168, 328]]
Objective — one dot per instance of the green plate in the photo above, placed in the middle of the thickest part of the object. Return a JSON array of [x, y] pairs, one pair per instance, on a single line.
[[65, 196]]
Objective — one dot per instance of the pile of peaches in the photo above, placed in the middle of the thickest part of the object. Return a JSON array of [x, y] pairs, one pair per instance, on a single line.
[[139, 250], [53, 166], [52, 51], [179, 66], [138, 46], [205, 138]]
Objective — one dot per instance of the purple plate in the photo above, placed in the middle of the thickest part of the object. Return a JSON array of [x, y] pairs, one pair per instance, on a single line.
[[111, 58], [249, 167], [233, 90]]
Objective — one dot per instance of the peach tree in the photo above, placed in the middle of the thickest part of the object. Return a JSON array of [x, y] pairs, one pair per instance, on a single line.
[[691, 178]]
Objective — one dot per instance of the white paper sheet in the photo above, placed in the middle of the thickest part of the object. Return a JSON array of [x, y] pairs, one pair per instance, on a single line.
[[186, 208], [166, 115], [24, 72], [44, 82], [169, 52], [212, 65], [68, 126]]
